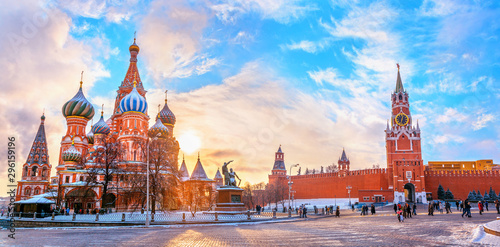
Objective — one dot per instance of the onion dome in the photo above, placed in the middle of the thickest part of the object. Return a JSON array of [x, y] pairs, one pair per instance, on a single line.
[[90, 136], [101, 127], [78, 106], [134, 102], [158, 130], [72, 154], [166, 115], [134, 47]]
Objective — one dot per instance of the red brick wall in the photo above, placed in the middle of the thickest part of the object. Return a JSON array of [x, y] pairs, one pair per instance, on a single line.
[[330, 185], [461, 183]]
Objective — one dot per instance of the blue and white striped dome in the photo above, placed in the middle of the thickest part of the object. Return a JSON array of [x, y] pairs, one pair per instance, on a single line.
[[133, 102], [101, 127]]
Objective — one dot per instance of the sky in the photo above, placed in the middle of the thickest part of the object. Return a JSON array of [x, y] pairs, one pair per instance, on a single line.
[[246, 76]]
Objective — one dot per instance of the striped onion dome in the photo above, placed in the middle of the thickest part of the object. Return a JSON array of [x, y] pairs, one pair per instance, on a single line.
[[166, 115], [134, 102], [90, 136], [72, 154], [78, 106], [158, 130], [101, 127]]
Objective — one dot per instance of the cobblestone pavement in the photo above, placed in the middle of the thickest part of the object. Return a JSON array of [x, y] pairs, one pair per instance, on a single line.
[[348, 230]]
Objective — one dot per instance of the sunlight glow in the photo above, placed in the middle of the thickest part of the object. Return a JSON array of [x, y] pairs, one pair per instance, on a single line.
[[189, 142]]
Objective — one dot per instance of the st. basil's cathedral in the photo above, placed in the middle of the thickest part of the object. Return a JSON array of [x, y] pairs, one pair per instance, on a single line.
[[78, 163]]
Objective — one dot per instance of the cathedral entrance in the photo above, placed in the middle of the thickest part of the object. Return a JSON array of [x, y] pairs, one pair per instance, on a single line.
[[409, 192]]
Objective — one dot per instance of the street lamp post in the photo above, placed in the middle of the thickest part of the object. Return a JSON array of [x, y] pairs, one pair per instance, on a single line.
[[147, 186], [349, 192], [147, 180], [290, 183]]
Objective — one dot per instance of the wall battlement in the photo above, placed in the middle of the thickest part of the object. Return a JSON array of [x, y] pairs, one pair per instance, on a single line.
[[463, 173], [338, 174]]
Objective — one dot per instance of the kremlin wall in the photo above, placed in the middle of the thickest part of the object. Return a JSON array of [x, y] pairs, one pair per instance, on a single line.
[[406, 178]]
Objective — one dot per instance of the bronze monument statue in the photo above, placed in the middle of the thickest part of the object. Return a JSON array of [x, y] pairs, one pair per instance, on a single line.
[[229, 175]]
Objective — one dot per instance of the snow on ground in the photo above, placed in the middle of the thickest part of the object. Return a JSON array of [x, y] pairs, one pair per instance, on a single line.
[[319, 203]]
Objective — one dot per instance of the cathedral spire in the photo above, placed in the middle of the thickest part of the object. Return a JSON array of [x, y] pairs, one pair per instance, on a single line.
[[132, 72], [399, 83], [39, 153]]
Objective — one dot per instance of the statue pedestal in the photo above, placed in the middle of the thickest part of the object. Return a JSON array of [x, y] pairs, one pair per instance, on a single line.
[[229, 200]]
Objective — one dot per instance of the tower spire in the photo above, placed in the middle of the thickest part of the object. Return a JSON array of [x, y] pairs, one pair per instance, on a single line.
[[399, 83]]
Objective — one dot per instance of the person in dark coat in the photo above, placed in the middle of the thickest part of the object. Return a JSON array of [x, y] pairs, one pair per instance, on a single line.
[[395, 208], [304, 212], [373, 209], [337, 212]]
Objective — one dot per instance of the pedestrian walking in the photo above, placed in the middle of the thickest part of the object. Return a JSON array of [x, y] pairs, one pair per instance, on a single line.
[[486, 205], [480, 206], [337, 212], [352, 206], [458, 204], [408, 210], [373, 209], [304, 211], [414, 209], [395, 208], [497, 205]]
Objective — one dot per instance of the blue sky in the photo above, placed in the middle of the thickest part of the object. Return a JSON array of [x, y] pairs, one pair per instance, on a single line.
[[246, 76]]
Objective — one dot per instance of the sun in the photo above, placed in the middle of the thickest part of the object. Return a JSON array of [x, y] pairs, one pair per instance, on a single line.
[[189, 142]]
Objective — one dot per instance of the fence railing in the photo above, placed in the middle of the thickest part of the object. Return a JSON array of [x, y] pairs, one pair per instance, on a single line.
[[137, 217]]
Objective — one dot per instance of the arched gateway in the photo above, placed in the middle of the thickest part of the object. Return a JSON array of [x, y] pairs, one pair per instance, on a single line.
[[409, 192]]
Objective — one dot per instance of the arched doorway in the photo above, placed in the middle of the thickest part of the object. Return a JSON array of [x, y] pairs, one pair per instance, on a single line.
[[409, 192], [108, 200], [81, 198]]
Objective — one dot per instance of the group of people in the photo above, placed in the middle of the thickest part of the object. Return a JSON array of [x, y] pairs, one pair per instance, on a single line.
[[364, 209], [405, 211]]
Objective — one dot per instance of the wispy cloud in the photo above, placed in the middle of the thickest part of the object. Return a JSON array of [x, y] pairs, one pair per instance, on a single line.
[[482, 121]]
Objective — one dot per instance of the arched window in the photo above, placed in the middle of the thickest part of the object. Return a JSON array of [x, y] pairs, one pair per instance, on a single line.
[[37, 191], [44, 172], [27, 191], [400, 97], [25, 173], [33, 171], [135, 154]]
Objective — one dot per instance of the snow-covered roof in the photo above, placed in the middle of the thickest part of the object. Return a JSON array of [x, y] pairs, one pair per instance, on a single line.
[[38, 200]]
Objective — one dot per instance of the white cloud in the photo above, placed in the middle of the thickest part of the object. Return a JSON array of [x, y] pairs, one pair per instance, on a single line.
[[42, 71], [179, 28], [447, 138], [113, 11], [451, 115], [439, 8], [282, 11], [482, 121], [308, 46]]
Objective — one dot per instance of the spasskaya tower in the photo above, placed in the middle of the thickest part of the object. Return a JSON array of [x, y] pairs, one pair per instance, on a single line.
[[405, 167]]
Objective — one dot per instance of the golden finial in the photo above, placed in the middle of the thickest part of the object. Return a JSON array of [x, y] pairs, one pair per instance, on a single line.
[[102, 110], [397, 64], [135, 35], [81, 80], [135, 79], [72, 142], [166, 96]]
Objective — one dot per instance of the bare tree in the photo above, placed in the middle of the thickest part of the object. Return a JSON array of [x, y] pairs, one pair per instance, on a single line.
[[198, 195], [332, 168], [103, 166], [163, 176], [247, 197]]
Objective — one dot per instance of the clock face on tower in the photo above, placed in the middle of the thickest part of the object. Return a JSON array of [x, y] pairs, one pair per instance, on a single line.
[[402, 119]]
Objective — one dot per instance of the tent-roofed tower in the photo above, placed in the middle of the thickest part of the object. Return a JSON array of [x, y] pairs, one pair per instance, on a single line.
[[344, 164], [183, 171], [36, 171]]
